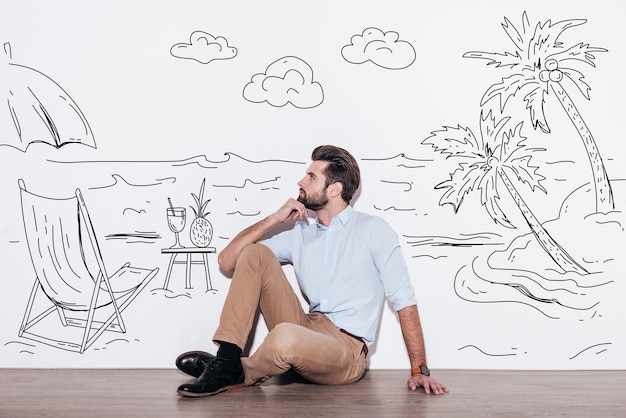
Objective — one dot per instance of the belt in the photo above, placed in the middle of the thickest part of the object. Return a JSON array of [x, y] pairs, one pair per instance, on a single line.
[[365, 349]]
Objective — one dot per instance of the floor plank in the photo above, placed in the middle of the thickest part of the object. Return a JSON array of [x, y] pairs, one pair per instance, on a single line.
[[381, 393]]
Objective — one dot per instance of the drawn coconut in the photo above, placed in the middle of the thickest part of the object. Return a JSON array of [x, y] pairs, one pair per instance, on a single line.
[[201, 231]]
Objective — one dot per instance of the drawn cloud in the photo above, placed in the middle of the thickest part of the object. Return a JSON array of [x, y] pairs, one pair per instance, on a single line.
[[382, 48], [204, 48], [287, 80]]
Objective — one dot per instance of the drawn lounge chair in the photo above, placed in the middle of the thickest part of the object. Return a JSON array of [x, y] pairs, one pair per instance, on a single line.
[[65, 254]]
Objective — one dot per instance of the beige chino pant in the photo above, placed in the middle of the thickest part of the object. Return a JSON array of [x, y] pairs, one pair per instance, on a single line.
[[309, 343]]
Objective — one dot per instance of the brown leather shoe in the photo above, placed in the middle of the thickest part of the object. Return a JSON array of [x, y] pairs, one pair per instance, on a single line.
[[193, 362]]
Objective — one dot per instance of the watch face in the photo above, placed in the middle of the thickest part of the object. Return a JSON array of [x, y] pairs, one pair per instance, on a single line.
[[424, 370]]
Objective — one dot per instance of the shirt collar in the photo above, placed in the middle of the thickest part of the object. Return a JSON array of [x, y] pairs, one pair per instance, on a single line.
[[340, 219]]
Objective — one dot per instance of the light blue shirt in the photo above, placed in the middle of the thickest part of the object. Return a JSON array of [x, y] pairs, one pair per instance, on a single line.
[[345, 270]]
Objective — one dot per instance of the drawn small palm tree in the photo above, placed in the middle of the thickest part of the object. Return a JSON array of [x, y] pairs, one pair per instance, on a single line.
[[542, 62], [494, 158]]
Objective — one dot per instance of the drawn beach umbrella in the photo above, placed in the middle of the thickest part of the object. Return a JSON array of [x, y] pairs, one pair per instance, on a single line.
[[40, 109]]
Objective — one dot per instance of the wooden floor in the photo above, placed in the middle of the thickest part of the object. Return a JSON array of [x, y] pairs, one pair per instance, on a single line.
[[381, 393]]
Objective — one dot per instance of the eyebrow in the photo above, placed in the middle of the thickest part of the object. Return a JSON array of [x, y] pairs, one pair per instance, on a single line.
[[311, 173]]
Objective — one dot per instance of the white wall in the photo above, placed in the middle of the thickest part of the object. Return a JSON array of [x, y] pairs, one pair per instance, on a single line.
[[489, 296]]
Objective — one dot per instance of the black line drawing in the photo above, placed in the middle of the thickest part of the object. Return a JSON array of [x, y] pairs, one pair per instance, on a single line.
[[143, 237], [384, 49], [542, 63], [229, 155], [486, 159], [486, 353], [60, 253], [404, 187], [408, 184], [286, 80], [204, 48], [199, 160], [496, 158], [511, 269], [485, 283], [248, 181], [402, 157], [200, 235], [395, 208], [464, 240], [119, 179], [588, 349], [201, 231], [244, 214], [41, 110], [188, 252]]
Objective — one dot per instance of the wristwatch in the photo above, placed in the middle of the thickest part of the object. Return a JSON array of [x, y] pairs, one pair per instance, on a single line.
[[420, 370]]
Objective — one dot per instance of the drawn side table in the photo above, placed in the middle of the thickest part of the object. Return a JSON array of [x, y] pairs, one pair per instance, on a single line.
[[189, 251]]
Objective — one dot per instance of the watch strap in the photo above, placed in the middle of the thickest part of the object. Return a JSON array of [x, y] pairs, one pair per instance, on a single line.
[[420, 370]]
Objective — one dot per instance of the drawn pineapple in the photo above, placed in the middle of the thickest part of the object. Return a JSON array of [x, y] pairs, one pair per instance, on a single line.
[[201, 231]]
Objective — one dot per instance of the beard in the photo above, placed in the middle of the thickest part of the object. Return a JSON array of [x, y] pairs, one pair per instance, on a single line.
[[313, 202]]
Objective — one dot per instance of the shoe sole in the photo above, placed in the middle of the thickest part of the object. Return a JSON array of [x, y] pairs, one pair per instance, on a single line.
[[232, 388]]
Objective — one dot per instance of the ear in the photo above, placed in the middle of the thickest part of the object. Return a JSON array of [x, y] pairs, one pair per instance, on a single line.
[[335, 189]]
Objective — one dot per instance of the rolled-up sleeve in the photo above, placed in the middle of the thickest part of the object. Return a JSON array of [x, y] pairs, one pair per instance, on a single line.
[[280, 246], [391, 266]]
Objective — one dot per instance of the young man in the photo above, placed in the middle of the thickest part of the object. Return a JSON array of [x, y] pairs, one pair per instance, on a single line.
[[345, 263]]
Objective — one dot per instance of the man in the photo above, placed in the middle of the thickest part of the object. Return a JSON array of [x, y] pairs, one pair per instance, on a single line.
[[345, 263]]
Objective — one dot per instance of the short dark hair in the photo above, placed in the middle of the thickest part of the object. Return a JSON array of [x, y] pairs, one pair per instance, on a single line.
[[343, 168]]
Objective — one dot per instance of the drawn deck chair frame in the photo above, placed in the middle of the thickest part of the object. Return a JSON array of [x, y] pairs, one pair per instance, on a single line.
[[81, 299]]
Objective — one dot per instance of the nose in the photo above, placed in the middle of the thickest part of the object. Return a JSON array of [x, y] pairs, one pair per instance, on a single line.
[[301, 182]]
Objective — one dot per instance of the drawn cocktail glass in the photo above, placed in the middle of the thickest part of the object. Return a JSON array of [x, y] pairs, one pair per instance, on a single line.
[[176, 218]]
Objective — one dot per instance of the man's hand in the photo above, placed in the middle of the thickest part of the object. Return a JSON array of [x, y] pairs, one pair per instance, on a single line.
[[429, 385], [292, 209]]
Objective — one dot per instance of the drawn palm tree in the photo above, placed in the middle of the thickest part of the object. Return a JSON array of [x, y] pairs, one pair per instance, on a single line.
[[493, 158], [541, 63]]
